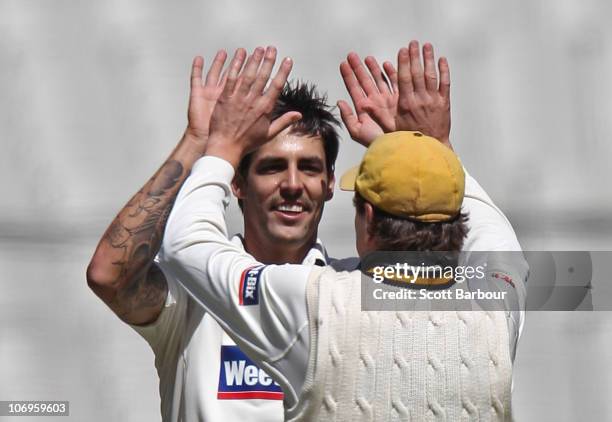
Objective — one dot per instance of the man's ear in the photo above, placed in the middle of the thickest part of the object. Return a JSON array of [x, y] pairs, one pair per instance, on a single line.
[[238, 186], [369, 218], [330, 187]]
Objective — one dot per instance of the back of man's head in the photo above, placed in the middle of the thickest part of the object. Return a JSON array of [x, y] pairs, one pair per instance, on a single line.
[[400, 234], [414, 186]]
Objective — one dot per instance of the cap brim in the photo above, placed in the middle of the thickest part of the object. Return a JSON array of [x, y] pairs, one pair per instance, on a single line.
[[347, 181]]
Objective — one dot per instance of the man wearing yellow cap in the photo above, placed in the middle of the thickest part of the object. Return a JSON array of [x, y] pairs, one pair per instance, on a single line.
[[305, 325]]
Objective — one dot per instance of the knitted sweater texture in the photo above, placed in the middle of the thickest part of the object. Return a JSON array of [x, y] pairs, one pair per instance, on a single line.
[[400, 366]]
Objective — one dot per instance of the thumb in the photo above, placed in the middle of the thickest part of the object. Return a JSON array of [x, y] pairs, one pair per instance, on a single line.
[[283, 122], [348, 117]]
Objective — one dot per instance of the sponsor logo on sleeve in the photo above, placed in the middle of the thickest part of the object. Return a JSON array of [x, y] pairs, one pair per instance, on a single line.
[[504, 277], [249, 286], [241, 379]]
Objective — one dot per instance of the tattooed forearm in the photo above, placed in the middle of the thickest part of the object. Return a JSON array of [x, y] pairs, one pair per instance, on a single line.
[[171, 173], [165, 181], [122, 271], [133, 239]]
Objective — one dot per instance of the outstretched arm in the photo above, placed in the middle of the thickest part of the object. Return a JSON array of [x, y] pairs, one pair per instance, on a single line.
[[122, 271]]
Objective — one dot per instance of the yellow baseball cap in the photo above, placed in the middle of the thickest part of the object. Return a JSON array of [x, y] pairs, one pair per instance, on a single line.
[[409, 175]]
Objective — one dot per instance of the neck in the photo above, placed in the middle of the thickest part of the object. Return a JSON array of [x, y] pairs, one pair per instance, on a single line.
[[267, 251]]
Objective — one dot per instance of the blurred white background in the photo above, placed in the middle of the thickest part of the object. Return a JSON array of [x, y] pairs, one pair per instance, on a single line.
[[93, 98]]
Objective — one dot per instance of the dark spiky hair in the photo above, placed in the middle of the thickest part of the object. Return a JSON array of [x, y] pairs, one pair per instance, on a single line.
[[317, 120]]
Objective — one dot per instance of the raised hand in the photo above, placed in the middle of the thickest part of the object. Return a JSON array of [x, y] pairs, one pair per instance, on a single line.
[[241, 119], [122, 271], [424, 101], [374, 98], [204, 95], [409, 98]]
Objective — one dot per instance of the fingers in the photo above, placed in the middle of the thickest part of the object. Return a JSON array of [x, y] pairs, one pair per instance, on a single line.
[[249, 73], [196, 72], [265, 71], [351, 84], [379, 77], [418, 81], [277, 84], [444, 77], [431, 75], [283, 122], [255, 75], [223, 78], [363, 77], [349, 118], [404, 76], [234, 70], [391, 75], [212, 77], [412, 77]]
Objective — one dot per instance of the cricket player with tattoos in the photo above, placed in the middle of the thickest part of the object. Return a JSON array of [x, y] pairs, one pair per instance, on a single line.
[[282, 187]]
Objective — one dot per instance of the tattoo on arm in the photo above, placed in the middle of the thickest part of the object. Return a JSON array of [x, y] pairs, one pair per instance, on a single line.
[[134, 238]]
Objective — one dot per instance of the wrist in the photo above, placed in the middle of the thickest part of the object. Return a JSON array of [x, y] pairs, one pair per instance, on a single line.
[[224, 148], [188, 150], [446, 142], [195, 138]]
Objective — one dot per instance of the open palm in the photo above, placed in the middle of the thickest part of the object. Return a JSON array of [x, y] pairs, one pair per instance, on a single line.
[[374, 97], [204, 95]]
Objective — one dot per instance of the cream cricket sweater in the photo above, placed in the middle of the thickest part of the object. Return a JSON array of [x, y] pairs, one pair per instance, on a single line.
[[401, 366]]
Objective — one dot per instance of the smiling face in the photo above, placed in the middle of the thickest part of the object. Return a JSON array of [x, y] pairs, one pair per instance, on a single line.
[[286, 185]]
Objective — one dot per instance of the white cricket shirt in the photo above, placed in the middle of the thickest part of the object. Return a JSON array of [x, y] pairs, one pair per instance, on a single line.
[[204, 376]]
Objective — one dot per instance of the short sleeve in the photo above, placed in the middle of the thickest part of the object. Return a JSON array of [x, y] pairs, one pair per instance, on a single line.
[[165, 332]]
